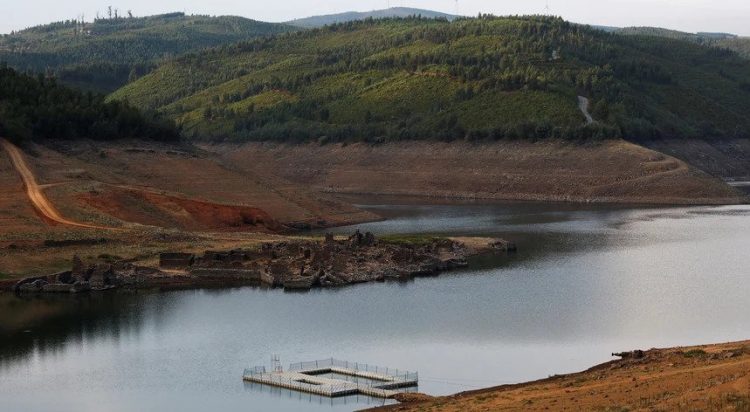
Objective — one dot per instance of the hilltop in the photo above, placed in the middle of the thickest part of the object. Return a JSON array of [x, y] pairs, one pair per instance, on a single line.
[[105, 54], [480, 78], [393, 12]]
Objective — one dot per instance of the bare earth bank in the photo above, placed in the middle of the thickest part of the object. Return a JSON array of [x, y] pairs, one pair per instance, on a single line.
[[235, 196], [611, 171]]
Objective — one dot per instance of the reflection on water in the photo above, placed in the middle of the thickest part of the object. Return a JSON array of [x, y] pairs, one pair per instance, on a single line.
[[308, 400], [587, 281], [63, 319]]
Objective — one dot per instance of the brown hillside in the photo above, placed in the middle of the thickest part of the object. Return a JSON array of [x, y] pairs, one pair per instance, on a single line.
[[156, 209], [164, 186], [612, 171], [703, 378]]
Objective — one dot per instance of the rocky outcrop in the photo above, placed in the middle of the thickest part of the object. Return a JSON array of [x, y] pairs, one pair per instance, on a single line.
[[230, 273], [80, 278], [503, 245], [176, 261], [292, 264], [361, 257]]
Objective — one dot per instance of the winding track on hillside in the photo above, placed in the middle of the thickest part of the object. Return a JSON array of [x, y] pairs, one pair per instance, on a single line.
[[35, 193], [583, 104]]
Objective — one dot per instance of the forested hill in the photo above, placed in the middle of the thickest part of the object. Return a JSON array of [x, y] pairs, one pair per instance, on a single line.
[[105, 54], [514, 77], [741, 45], [738, 44], [35, 108], [393, 12]]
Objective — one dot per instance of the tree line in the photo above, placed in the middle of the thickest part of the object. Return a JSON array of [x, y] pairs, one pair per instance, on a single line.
[[39, 108]]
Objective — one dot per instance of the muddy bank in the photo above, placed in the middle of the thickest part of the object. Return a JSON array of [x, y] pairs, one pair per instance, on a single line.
[[612, 171], [293, 264]]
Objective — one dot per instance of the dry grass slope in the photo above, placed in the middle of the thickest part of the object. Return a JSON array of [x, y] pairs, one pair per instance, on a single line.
[[704, 378]]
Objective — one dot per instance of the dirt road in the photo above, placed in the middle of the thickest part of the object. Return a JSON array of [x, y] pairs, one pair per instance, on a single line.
[[583, 104], [35, 193]]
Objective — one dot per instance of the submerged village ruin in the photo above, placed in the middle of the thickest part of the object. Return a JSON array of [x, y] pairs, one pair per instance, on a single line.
[[295, 264]]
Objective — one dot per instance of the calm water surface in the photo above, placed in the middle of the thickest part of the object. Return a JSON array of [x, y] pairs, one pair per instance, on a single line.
[[586, 282]]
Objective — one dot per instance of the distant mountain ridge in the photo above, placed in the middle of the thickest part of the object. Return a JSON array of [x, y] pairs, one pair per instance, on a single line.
[[662, 32], [729, 41], [107, 53], [393, 12]]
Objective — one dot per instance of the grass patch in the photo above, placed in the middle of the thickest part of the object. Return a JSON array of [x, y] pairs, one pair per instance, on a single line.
[[109, 258], [410, 240], [695, 353]]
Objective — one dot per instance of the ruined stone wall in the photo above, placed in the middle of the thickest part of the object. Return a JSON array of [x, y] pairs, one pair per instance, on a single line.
[[176, 261], [239, 274]]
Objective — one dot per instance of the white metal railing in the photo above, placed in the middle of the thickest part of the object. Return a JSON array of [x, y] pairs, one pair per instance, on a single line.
[[372, 385], [285, 381], [394, 375], [255, 370]]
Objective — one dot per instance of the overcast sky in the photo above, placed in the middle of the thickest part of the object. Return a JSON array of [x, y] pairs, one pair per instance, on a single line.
[[687, 15]]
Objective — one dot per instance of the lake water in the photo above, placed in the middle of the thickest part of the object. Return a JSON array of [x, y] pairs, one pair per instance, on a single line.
[[586, 282]]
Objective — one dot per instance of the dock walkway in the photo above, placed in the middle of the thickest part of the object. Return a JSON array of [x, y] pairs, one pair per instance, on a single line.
[[305, 377]]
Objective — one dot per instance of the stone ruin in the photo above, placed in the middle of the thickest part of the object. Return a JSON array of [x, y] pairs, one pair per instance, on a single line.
[[291, 264], [359, 240], [302, 264], [176, 261], [80, 278]]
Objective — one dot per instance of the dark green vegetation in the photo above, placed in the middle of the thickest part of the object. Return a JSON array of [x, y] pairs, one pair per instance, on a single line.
[[394, 12], [514, 77], [35, 108], [741, 45], [411, 240], [106, 54]]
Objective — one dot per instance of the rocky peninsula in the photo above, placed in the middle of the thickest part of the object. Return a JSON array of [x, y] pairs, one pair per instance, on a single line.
[[292, 264]]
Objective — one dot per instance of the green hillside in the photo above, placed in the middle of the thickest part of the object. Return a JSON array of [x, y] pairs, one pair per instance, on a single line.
[[105, 54], [37, 108], [514, 77], [741, 45], [393, 12], [738, 44]]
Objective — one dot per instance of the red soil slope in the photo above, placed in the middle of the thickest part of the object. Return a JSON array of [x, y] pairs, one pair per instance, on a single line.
[[188, 214]]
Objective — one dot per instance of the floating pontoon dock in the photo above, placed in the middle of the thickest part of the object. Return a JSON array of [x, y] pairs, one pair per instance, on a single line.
[[362, 378]]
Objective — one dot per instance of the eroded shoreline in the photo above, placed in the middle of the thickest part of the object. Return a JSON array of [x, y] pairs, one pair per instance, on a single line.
[[291, 264]]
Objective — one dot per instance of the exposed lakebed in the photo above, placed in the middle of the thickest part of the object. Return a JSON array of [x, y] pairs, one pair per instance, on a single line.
[[586, 281]]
